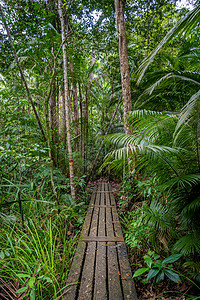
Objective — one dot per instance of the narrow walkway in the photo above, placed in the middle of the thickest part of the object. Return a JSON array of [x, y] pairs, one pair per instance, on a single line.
[[100, 269]]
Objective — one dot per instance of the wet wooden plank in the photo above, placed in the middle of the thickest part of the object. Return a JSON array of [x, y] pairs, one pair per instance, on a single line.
[[114, 286], [100, 292], [98, 196], [74, 274], [102, 239], [86, 287], [75, 271], [102, 195], [112, 198], [107, 196], [113, 206], [85, 291], [116, 222], [126, 275]]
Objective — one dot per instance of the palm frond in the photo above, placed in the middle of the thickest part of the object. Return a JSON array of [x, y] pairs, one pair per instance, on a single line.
[[182, 182], [183, 26], [186, 114], [188, 244]]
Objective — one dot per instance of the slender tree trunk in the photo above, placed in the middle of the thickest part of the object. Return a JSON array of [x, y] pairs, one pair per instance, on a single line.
[[66, 90], [123, 57], [86, 129], [22, 74], [53, 121], [75, 106], [57, 107], [82, 127], [63, 121]]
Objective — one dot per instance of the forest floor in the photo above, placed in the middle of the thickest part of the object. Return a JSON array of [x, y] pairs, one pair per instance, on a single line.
[[167, 289]]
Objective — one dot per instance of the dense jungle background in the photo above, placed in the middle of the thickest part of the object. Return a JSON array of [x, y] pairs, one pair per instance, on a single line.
[[99, 91]]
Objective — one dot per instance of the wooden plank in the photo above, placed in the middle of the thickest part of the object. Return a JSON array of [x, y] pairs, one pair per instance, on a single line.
[[75, 271], [126, 275], [98, 196], [86, 287], [113, 206], [85, 291], [102, 192], [102, 195], [102, 239], [116, 222], [112, 199], [107, 196], [114, 287], [100, 292]]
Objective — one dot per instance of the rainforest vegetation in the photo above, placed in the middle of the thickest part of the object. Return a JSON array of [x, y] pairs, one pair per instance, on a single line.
[[92, 89]]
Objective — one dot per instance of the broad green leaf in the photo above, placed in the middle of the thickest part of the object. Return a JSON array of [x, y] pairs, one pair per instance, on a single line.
[[23, 275], [31, 282], [148, 260], [172, 275], [2, 255], [45, 278], [160, 276], [32, 294], [140, 272], [152, 273], [171, 258], [22, 290]]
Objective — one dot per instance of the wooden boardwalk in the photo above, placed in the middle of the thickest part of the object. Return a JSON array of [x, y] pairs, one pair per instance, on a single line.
[[100, 269]]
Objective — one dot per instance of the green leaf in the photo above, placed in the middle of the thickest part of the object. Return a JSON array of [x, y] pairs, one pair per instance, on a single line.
[[22, 290], [160, 276], [148, 260], [32, 294], [172, 275], [140, 272], [152, 273], [45, 278], [23, 276], [2, 255], [31, 282], [171, 258]]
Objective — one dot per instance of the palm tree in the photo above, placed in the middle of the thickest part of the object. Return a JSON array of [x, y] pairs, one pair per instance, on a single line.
[[155, 148]]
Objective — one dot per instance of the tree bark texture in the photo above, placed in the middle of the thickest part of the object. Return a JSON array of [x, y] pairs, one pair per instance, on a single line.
[[66, 93], [63, 121], [123, 57], [75, 106], [82, 126]]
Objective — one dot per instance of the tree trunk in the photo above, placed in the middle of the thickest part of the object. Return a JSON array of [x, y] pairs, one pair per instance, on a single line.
[[66, 93], [63, 121], [86, 129], [53, 121], [82, 127], [76, 112], [123, 57]]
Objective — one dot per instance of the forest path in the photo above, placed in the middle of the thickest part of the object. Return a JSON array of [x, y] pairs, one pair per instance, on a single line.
[[100, 268]]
